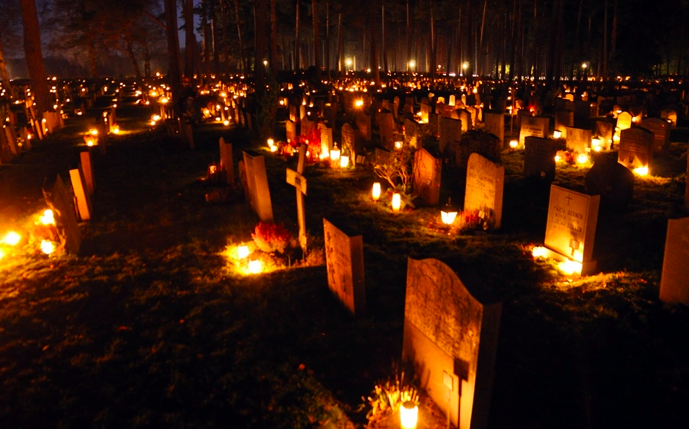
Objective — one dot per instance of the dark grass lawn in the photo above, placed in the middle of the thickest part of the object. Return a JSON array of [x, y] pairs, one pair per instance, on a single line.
[[150, 327]]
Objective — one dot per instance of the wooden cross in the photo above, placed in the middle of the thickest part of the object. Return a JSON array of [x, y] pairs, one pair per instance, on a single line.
[[296, 179]]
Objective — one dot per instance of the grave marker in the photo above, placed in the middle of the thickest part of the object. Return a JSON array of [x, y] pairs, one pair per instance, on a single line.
[[485, 183], [450, 132], [636, 148], [578, 139], [345, 267], [661, 133], [86, 168], [348, 138], [291, 131], [451, 337], [563, 119], [624, 121], [257, 185], [81, 194], [571, 226], [605, 131], [427, 171], [495, 124], [306, 126], [363, 123], [65, 216], [532, 126], [539, 158], [386, 129], [226, 160], [674, 281], [296, 179], [410, 132], [670, 115]]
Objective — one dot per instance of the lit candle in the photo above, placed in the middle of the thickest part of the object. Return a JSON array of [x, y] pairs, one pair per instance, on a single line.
[[557, 134], [514, 144], [409, 415], [396, 202], [255, 266], [344, 161], [375, 191], [242, 251]]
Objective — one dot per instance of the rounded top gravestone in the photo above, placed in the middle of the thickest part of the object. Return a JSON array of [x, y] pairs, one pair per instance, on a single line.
[[612, 181]]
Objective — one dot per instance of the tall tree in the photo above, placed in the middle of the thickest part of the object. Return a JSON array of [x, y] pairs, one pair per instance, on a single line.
[[34, 55], [189, 40], [9, 35], [172, 47], [316, 40]]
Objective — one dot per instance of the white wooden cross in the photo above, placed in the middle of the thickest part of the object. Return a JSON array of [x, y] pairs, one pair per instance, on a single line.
[[296, 179]]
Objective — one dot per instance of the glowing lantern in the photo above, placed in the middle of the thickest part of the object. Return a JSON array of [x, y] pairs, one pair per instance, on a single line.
[[93, 132], [557, 134], [582, 158], [226, 123], [539, 252], [514, 144], [242, 252], [409, 415], [11, 238], [335, 154], [570, 267], [375, 191], [344, 161], [396, 202], [359, 103], [255, 266], [271, 142], [557, 158], [115, 129], [448, 213], [164, 100], [47, 247], [596, 144], [641, 171], [47, 218], [398, 145]]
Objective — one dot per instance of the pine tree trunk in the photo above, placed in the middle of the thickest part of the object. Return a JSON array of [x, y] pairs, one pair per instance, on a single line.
[[172, 47], [374, 51], [132, 59], [4, 76], [340, 46], [273, 38], [189, 39], [297, 53], [240, 39], [408, 59], [326, 62], [432, 41], [34, 56], [316, 39], [206, 36], [382, 31]]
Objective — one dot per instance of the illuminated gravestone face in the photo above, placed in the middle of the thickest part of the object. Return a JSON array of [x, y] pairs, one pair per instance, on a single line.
[[451, 336], [326, 136], [348, 139], [484, 188], [571, 225], [539, 159], [427, 171], [495, 124], [291, 131], [410, 132], [257, 185], [363, 123], [604, 131], [624, 121], [345, 266], [674, 282], [306, 126], [669, 115], [425, 111], [661, 133], [578, 139], [450, 132], [464, 116], [533, 127], [636, 148]]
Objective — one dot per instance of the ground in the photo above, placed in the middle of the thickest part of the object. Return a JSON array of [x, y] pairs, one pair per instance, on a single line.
[[150, 327]]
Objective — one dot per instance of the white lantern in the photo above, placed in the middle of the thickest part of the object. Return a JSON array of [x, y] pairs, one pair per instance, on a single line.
[[396, 202], [344, 161], [375, 191], [409, 415]]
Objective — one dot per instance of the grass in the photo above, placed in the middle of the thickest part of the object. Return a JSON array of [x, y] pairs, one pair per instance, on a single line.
[[150, 327]]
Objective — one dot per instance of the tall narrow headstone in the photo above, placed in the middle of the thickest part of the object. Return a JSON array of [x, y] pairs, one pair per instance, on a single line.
[[410, 133], [427, 171], [81, 194], [624, 121], [485, 183], [226, 160], [674, 281], [348, 139], [344, 256], [65, 216], [495, 124], [291, 131], [386, 129], [87, 169], [257, 184], [451, 336], [363, 123]]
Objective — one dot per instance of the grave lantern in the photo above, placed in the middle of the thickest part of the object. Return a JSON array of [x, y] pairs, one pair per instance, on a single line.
[[409, 415], [557, 134], [47, 247], [375, 191], [396, 202], [514, 144], [448, 213], [242, 251], [344, 161], [255, 266], [596, 144], [335, 154]]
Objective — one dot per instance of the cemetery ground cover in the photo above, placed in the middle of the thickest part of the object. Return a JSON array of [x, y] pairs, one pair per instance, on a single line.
[[149, 326]]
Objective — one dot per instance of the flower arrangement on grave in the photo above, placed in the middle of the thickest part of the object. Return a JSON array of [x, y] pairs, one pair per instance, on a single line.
[[388, 396], [312, 139], [271, 238], [566, 156], [476, 220], [215, 172]]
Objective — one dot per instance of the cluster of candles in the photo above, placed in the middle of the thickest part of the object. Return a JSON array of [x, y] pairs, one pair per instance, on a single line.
[[13, 238], [447, 215], [568, 267], [254, 266]]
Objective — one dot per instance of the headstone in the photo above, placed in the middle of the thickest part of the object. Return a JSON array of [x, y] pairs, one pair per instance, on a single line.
[[450, 132], [473, 116], [326, 135], [363, 123], [464, 116], [306, 126], [451, 337], [661, 133], [533, 127], [395, 107], [539, 158], [86, 168], [226, 160], [257, 184], [6, 154], [344, 255], [636, 148], [11, 140], [563, 119], [578, 139], [612, 181], [495, 124], [427, 172], [410, 133], [605, 131], [348, 138], [65, 216], [624, 121], [485, 183], [291, 131], [386, 129], [81, 194], [670, 115], [425, 111], [582, 112], [571, 226], [674, 281], [382, 156]]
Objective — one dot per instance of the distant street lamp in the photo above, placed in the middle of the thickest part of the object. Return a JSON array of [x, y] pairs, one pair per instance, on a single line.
[[465, 66], [411, 65], [348, 62]]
